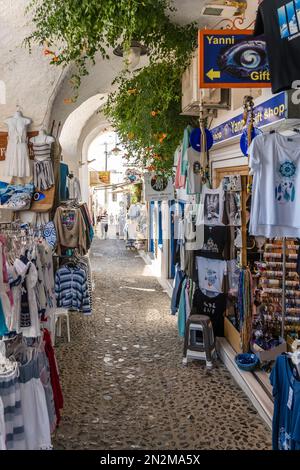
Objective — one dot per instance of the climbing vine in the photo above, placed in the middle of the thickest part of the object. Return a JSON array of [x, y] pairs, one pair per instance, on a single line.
[[146, 108], [145, 111], [75, 31]]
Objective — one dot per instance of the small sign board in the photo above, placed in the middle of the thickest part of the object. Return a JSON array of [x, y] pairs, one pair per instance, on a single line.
[[104, 177], [232, 59], [158, 188]]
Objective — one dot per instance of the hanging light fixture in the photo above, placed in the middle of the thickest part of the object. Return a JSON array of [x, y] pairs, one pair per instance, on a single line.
[[116, 150], [133, 55]]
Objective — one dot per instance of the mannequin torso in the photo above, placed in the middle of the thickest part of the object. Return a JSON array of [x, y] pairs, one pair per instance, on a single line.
[[42, 138], [17, 158]]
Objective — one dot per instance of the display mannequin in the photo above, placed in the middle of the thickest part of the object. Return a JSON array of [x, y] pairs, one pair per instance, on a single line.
[[17, 155], [42, 138]]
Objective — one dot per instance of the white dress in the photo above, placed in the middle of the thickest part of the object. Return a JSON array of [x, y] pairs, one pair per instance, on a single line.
[[17, 155]]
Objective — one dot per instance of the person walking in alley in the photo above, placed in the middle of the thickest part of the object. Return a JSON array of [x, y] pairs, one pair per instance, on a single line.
[[104, 225]]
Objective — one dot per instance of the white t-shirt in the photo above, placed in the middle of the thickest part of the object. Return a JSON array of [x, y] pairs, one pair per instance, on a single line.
[[193, 234], [194, 172], [211, 274], [275, 164], [211, 208]]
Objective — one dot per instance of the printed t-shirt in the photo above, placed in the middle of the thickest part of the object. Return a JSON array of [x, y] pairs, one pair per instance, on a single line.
[[212, 205], [279, 21], [275, 164], [211, 274], [286, 417], [215, 239], [194, 172], [213, 307]]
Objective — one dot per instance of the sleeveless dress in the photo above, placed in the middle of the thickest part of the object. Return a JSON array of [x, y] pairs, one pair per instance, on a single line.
[[17, 155]]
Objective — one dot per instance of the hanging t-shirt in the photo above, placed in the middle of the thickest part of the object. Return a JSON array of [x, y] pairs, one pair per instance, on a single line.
[[279, 20], [211, 274], [213, 206], [213, 307], [215, 239], [233, 270], [275, 164], [63, 187], [185, 146], [286, 418], [193, 234], [233, 208], [194, 176], [179, 178]]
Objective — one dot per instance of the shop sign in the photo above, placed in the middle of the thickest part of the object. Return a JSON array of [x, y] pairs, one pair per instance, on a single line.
[[132, 175], [232, 59], [266, 113], [104, 177], [4, 140], [158, 188]]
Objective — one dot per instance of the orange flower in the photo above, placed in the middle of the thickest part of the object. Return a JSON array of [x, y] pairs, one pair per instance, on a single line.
[[48, 52], [154, 113], [68, 101], [162, 138], [55, 59], [132, 91]]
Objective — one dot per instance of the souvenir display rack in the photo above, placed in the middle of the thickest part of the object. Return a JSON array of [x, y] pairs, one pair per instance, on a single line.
[[279, 287]]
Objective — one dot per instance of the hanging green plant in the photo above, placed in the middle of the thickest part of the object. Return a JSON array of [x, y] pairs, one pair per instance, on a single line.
[[148, 121], [75, 31], [136, 193]]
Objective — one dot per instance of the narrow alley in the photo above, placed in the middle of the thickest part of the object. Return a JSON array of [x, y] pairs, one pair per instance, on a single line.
[[122, 375]]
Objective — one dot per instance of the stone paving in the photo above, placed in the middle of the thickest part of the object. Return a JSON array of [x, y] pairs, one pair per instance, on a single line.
[[123, 380]]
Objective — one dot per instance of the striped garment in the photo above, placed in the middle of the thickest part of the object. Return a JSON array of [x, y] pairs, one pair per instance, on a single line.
[[2, 427], [13, 417], [71, 289], [41, 151], [104, 219], [43, 175], [84, 261]]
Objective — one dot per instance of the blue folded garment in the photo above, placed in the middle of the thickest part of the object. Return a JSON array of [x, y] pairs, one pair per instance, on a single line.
[[7, 192]]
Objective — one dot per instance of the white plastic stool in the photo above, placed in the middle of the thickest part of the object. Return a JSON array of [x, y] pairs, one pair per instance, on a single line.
[[59, 315]]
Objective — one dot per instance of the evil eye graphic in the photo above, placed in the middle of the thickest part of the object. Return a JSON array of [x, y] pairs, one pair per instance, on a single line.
[[287, 169], [38, 196], [244, 58]]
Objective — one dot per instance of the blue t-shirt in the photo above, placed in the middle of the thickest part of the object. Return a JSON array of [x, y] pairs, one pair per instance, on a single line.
[[286, 419]]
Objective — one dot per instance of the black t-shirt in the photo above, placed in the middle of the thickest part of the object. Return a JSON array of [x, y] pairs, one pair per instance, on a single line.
[[215, 239], [279, 21], [213, 307]]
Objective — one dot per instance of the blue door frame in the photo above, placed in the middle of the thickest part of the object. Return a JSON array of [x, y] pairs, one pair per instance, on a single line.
[[151, 221], [172, 208]]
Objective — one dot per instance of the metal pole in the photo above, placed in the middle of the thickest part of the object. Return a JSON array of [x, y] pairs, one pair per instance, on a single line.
[[283, 286]]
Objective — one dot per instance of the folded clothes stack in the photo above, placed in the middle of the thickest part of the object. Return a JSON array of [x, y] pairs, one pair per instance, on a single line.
[[16, 197]]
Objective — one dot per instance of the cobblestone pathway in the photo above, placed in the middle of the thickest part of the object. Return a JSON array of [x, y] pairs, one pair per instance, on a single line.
[[123, 382]]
